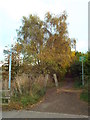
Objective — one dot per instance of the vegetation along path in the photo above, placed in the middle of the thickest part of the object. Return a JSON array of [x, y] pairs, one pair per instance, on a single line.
[[62, 100]]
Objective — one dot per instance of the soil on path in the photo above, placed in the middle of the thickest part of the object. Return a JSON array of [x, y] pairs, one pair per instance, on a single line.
[[62, 100]]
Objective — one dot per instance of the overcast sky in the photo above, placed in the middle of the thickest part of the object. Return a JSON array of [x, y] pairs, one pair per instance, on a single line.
[[11, 12]]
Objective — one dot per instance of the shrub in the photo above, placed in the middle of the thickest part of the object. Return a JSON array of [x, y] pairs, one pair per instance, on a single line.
[[32, 99], [27, 96]]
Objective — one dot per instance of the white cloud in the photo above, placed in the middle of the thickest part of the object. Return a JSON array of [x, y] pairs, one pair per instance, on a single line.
[[82, 45]]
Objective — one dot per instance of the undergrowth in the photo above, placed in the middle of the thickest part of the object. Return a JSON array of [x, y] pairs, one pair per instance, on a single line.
[[78, 85], [28, 99]]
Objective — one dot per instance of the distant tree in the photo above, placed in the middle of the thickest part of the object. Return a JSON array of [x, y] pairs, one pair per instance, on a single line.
[[76, 66]]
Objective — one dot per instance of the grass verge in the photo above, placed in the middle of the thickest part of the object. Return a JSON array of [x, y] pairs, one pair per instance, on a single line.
[[23, 101], [84, 96]]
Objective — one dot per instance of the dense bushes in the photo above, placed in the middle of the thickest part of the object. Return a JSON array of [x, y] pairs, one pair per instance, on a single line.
[[76, 69], [27, 91], [32, 98]]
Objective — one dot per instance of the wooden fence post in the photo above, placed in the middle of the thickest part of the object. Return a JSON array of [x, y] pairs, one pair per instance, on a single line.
[[56, 81]]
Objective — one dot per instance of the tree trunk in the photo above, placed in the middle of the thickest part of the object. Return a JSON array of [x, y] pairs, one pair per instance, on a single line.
[[46, 79]]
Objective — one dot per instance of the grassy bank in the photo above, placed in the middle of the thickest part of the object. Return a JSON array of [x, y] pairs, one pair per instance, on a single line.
[[25, 100], [78, 85], [84, 96]]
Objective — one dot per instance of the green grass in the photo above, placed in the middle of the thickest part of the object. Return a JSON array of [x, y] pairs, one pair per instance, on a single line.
[[25, 100], [84, 96], [29, 99]]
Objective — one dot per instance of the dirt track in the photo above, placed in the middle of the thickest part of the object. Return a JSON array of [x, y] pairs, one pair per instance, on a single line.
[[64, 100]]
